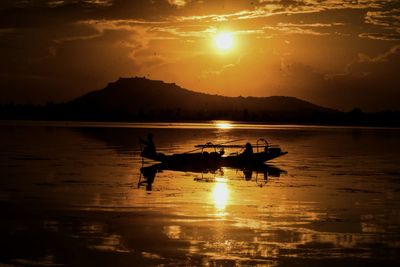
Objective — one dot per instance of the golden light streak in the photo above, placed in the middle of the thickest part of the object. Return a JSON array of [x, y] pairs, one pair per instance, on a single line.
[[220, 194], [223, 125]]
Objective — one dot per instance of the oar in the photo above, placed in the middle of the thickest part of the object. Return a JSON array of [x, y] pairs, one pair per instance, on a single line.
[[237, 140], [203, 146], [217, 145], [194, 150]]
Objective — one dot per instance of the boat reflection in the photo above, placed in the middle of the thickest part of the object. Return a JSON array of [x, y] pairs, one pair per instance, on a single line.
[[259, 173]]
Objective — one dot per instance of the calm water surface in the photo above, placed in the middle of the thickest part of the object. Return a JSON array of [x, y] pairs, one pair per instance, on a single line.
[[73, 194]]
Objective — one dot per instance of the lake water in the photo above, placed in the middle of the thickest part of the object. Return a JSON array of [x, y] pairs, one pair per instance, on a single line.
[[73, 194]]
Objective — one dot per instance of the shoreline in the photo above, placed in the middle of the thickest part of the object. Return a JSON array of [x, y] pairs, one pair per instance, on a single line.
[[203, 124]]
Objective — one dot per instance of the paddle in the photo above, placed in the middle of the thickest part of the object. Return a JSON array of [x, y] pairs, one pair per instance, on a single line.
[[212, 145]]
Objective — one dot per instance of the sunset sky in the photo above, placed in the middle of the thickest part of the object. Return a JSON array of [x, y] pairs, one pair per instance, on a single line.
[[337, 53]]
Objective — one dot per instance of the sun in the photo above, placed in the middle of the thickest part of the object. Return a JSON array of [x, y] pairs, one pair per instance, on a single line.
[[224, 41]]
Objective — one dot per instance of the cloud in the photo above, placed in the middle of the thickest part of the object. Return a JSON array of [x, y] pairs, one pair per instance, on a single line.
[[384, 63], [178, 3], [44, 14], [120, 24], [387, 18], [380, 36], [386, 25], [266, 8], [302, 28], [56, 3], [242, 14], [69, 61], [103, 3], [379, 17], [368, 82], [312, 25], [291, 29], [220, 71]]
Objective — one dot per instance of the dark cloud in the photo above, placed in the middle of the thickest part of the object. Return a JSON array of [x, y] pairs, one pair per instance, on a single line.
[[381, 36], [65, 69], [370, 83], [28, 14]]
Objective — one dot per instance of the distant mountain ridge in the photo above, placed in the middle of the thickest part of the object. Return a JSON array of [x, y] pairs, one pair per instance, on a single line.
[[140, 99], [136, 97]]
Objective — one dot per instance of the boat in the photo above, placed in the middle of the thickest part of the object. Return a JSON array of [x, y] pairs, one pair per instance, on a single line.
[[200, 157]]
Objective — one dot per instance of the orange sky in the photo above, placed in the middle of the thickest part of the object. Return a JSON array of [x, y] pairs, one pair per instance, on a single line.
[[341, 54]]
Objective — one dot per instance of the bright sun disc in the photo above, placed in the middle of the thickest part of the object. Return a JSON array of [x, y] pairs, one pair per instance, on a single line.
[[224, 41]]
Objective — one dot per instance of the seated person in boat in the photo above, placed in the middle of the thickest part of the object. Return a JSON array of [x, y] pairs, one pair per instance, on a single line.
[[248, 150]]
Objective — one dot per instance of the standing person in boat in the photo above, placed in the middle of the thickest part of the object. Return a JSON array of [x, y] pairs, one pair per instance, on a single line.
[[149, 149], [248, 150]]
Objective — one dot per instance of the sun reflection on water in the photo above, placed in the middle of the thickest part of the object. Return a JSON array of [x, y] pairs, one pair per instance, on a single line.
[[220, 194], [223, 125]]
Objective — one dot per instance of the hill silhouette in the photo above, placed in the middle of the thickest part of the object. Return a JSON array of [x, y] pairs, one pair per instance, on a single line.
[[143, 98]]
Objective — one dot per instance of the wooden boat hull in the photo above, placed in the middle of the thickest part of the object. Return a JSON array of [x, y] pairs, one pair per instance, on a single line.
[[215, 159]]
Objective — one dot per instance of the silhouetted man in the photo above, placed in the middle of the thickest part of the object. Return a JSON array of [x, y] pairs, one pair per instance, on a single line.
[[149, 150], [248, 150]]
